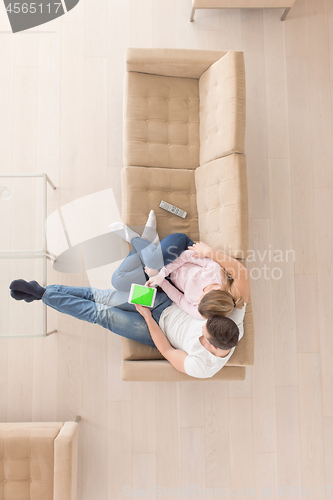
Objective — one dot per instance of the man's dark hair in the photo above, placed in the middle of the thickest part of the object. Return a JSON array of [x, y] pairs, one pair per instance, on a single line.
[[223, 332]]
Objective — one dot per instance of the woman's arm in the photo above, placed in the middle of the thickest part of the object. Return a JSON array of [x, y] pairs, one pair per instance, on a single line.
[[175, 356], [178, 297], [233, 267]]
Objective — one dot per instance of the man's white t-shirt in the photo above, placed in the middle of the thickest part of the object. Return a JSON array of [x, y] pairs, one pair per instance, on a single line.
[[183, 332]]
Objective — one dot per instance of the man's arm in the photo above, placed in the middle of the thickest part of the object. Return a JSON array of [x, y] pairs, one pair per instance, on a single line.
[[175, 356]]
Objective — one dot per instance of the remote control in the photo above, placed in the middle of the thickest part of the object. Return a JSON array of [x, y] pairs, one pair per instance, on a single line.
[[173, 209]]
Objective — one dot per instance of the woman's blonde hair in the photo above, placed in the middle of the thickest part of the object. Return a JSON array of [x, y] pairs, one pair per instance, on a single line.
[[221, 302]]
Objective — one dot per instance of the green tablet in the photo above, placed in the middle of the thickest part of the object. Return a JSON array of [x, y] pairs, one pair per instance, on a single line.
[[142, 295]]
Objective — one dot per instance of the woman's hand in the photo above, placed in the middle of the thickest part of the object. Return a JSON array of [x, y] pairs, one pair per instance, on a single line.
[[201, 249], [144, 311], [155, 280], [150, 272]]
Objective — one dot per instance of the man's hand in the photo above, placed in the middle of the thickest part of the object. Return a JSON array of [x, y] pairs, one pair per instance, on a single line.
[[144, 311], [155, 280], [201, 250]]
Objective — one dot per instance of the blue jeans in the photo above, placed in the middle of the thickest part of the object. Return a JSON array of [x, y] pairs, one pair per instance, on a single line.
[[105, 307], [131, 270], [109, 308]]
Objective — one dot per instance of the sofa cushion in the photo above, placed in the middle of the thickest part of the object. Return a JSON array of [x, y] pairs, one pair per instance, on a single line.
[[184, 63], [222, 202], [222, 108], [161, 121], [144, 188], [27, 459], [161, 371]]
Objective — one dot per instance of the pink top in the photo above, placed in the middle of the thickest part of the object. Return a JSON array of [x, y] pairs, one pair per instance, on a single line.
[[191, 274]]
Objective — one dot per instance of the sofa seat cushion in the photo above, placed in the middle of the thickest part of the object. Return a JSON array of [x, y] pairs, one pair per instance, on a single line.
[[222, 201], [222, 108], [161, 121], [27, 460], [143, 189]]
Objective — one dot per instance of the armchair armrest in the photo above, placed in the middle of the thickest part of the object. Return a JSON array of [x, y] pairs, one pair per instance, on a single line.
[[186, 63], [65, 462]]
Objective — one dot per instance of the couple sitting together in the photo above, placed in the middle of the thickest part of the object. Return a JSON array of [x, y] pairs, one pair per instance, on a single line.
[[197, 317]]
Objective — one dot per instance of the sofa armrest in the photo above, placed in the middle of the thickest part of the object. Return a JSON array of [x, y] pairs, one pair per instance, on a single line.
[[66, 462], [186, 63]]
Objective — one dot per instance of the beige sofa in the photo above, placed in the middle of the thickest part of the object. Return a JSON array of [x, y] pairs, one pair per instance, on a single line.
[[38, 460], [184, 126], [242, 4]]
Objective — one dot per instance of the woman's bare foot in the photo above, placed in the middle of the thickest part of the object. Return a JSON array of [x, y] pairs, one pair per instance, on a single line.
[[150, 272]]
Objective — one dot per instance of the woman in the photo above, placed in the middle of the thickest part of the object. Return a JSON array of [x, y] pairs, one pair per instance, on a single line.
[[195, 270]]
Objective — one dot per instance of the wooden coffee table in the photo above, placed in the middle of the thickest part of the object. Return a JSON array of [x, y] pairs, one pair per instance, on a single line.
[[242, 4]]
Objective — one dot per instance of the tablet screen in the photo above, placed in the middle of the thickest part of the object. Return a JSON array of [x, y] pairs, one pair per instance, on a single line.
[[142, 295]]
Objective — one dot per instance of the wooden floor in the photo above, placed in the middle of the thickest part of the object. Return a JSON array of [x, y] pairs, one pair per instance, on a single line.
[[61, 112]]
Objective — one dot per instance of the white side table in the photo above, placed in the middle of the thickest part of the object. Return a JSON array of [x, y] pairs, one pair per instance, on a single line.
[[242, 4], [31, 254]]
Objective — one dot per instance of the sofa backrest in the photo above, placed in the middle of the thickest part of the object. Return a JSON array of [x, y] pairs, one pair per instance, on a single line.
[[222, 108], [27, 460]]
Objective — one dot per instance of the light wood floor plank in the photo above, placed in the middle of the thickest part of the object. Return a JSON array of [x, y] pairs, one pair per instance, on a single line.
[[192, 404], [94, 409], [168, 443], [241, 443], [72, 112], [69, 372], [19, 379], [186, 32], [6, 101], [296, 31], [328, 440], [26, 49], [193, 461], [311, 423], [265, 475], [119, 457], [96, 28], [263, 374], [24, 120], [230, 29], [283, 299], [319, 93], [324, 237], [49, 106], [207, 19], [163, 23], [256, 128], [208, 40], [118, 389], [288, 436], [330, 38], [276, 92], [307, 317], [119, 26], [217, 453], [144, 417], [301, 166], [144, 475], [141, 23], [95, 129]]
